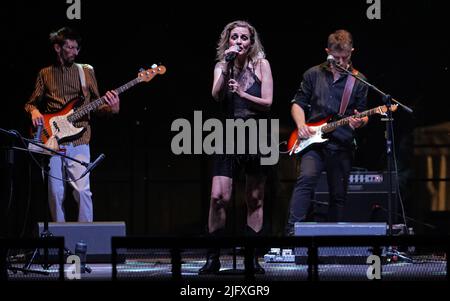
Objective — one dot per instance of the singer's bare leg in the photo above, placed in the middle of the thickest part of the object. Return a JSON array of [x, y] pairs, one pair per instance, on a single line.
[[255, 200], [220, 198]]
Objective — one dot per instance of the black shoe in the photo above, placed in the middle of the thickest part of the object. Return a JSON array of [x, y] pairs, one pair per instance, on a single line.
[[212, 266], [257, 268]]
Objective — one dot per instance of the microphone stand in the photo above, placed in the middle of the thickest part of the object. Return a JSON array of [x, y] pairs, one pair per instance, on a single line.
[[388, 99], [54, 152], [45, 160], [234, 270], [48, 151]]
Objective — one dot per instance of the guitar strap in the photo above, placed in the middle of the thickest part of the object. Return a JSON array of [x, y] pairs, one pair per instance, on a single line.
[[347, 92], [84, 89]]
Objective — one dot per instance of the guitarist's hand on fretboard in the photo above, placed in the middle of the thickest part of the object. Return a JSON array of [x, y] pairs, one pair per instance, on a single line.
[[112, 100], [59, 126]]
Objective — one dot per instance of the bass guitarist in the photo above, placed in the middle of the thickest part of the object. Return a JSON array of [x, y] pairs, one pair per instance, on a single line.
[[56, 86], [326, 91]]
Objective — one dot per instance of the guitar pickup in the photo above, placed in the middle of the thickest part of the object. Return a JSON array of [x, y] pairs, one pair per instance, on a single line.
[[56, 126]]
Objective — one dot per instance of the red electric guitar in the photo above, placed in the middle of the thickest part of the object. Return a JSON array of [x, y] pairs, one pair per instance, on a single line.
[[298, 145]]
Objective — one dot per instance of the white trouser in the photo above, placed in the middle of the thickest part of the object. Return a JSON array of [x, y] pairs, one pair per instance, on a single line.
[[62, 168]]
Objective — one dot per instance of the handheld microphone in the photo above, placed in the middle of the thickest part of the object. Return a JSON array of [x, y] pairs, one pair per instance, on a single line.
[[92, 165], [231, 56]]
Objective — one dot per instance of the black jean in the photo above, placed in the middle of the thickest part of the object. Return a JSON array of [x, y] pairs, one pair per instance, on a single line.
[[337, 163]]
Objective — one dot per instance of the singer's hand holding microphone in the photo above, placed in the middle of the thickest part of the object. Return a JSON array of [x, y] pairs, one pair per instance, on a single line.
[[234, 86], [231, 53]]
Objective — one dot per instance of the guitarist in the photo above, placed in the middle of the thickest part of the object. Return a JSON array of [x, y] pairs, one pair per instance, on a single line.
[[319, 96], [56, 85]]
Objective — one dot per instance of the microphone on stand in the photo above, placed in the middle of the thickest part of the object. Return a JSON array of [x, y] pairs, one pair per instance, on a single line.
[[331, 60], [92, 165]]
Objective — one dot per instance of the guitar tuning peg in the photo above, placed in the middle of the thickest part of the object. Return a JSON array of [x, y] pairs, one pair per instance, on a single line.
[[154, 66], [141, 69]]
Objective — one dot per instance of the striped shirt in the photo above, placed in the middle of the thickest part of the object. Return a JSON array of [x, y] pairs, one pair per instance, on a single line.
[[56, 85]]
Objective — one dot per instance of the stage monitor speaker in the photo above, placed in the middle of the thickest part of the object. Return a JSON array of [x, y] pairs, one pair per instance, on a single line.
[[96, 235], [367, 198], [341, 255]]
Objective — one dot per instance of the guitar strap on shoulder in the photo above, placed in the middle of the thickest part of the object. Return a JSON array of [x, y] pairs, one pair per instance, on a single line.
[[82, 80], [347, 92]]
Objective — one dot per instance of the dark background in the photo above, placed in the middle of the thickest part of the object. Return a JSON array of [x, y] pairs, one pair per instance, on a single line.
[[141, 181]]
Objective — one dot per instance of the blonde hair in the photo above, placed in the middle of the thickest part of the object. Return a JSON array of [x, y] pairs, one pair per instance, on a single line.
[[256, 51]]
